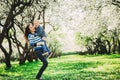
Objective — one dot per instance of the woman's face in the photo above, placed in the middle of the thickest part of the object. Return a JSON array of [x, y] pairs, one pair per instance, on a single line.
[[32, 28]]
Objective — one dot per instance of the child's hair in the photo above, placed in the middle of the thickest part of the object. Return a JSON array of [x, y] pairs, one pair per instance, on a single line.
[[27, 31]]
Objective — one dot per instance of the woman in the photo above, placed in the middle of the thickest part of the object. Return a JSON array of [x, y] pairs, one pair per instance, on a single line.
[[39, 47]]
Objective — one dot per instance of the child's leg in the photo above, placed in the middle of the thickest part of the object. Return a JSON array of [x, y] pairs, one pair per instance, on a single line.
[[45, 51], [46, 46]]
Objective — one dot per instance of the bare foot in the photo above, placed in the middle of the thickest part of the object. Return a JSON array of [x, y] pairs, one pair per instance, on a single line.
[[45, 54], [50, 55]]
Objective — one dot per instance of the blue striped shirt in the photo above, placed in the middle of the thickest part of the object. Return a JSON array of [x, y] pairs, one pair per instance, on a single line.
[[33, 39]]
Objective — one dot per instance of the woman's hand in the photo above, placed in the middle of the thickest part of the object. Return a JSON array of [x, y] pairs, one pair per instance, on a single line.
[[40, 43]]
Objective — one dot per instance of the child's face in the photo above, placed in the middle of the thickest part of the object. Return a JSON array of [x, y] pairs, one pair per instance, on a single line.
[[36, 23]]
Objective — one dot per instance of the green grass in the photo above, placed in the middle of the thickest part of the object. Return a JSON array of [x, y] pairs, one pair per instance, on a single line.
[[68, 67]]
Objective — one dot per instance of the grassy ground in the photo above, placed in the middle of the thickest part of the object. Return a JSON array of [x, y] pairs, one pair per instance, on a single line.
[[68, 67]]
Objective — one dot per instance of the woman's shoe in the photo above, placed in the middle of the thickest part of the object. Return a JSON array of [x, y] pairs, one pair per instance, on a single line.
[[40, 79]]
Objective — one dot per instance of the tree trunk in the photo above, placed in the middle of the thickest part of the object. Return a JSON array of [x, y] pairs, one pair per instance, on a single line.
[[21, 61], [7, 61], [43, 17], [114, 45], [118, 46], [22, 56], [7, 57], [103, 49], [109, 47]]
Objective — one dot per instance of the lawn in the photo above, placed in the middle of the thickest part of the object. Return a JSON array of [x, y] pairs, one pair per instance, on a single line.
[[68, 67]]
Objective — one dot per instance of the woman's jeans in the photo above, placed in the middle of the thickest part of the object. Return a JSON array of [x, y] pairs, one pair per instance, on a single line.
[[43, 60]]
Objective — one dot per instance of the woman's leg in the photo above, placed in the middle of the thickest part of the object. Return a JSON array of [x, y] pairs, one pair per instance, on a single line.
[[44, 61]]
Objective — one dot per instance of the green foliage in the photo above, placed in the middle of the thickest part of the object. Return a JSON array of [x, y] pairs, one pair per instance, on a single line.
[[69, 67], [78, 38], [105, 42], [54, 43], [55, 46], [84, 40]]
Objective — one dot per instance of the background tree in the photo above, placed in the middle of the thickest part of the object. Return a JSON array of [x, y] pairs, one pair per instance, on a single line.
[[100, 18], [14, 15], [13, 9]]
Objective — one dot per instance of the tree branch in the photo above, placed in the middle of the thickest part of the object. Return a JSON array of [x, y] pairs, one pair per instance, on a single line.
[[116, 3]]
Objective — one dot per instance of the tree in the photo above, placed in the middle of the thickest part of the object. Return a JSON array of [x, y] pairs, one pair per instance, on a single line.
[[13, 9], [27, 17], [101, 17], [14, 15]]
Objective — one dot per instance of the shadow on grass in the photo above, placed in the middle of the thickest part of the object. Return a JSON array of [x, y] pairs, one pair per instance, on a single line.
[[10, 77], [4, 75], [113, 56], [76, 71], [71, 70], [109, 56], [17, 72], [79, 65]]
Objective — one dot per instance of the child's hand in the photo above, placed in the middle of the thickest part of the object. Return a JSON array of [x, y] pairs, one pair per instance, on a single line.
[[40, 43]]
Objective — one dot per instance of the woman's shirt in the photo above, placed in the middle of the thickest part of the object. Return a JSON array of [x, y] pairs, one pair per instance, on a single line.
[[34, 39]]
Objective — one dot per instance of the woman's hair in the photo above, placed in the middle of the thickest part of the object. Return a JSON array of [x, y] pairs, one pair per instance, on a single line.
[[27, 31]]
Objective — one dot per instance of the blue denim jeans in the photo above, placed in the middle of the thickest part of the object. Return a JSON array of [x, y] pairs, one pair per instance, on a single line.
[[45, 46], [44, 65]]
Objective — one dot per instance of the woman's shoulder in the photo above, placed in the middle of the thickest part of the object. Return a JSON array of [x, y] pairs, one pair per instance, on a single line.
[[30, 35], [33, 35]]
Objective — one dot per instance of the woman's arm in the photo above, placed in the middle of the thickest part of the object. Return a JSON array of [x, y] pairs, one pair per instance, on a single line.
[[34, 41]]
